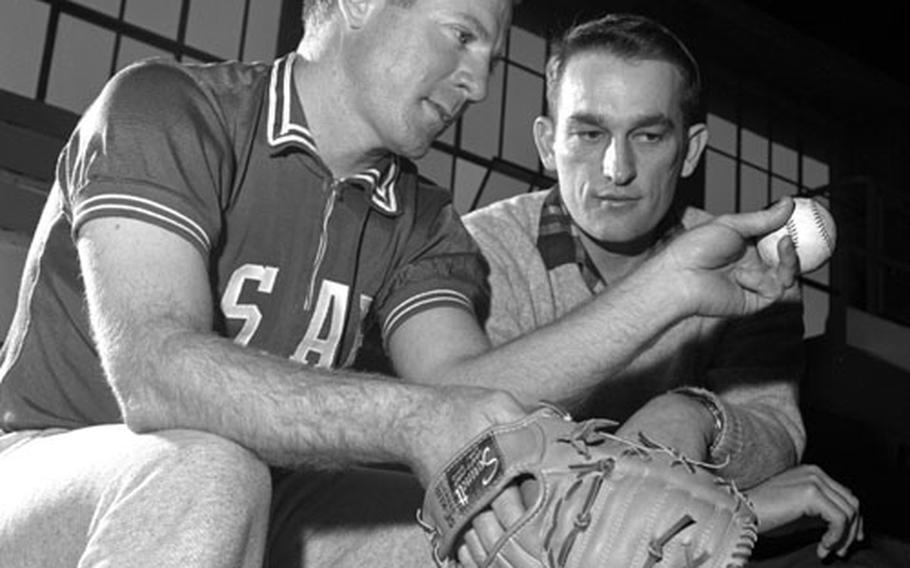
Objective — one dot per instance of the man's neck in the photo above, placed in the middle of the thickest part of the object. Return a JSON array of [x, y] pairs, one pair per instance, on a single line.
[[613, 261], [346, 145]]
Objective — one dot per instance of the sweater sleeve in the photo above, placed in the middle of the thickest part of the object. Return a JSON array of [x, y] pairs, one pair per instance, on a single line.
[[756, 373]]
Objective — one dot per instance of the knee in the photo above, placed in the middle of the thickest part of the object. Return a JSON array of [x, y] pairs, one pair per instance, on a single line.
[[210, 468]]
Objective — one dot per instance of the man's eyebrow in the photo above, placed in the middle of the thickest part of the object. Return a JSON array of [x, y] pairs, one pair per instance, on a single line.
[[586, 118], [642, 121], [660, 119], [482, 32]]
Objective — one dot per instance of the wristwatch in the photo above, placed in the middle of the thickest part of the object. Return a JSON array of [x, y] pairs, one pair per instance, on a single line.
[[708, 400]]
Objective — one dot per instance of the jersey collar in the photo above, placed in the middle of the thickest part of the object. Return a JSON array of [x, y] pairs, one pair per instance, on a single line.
[[287, 128]]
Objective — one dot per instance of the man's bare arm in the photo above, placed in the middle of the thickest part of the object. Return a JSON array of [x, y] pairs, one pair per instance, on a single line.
[[702, 272], [151, 311]]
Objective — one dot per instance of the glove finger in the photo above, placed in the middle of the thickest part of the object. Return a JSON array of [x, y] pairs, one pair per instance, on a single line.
[[473, 548], [508, 506], [488, 529], [465, 559]]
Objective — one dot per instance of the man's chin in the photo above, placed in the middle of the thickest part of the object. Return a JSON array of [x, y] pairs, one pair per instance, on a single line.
[[415, 149]]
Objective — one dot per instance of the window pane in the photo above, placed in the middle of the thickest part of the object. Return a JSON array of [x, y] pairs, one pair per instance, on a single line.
[[468, 177], [524, 103], [720, 183], [75, 79], [23, 25], [109, 7], [527, 49], [132, 51], [754, 148], [481, 123], [437, 165], [159, 16], [784, 162], [721, 134], [815, 311], [780, 188], [214, 26], [815, 173], [501, 187], [753, 189], [262, 31]]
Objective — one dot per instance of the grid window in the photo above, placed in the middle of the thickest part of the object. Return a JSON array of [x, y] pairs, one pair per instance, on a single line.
[[95, 38], [754, 148], [22, 31], [784, 162], [815, 310], [159, 16], [815, 173], [75, 78], [753, 186], [524, 98], [109, 7], [751, 161], [720, 183], [527, 49], [131, 51], [437, 166], [722, 134], [262, 30], [480, 126], [500, 187], [213, 27], [468, 180]]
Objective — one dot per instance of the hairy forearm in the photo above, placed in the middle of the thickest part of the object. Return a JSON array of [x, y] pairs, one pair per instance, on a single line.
[[287, 413], [567, 359]]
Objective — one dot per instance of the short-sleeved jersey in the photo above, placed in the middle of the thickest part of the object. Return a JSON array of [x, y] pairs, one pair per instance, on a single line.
[[300, 263]]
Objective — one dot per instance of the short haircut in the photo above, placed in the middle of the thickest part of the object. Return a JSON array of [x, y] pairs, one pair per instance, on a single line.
[[627, 36], [314, 11]]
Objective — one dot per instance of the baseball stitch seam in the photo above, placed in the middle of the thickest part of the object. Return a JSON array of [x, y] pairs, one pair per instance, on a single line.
[[792, 232], [822, 227]]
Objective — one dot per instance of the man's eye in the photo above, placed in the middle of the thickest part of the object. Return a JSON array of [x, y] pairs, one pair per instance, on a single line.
[[589, 135], [463, 36], [650, 137]]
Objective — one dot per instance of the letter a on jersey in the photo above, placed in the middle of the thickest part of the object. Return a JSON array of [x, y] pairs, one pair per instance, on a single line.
[[323, 335]]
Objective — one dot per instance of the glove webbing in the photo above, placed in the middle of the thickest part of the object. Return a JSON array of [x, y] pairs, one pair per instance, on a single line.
[[603, 468], [656, 547]]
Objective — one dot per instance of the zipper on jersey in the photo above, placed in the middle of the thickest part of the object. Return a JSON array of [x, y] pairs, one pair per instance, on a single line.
[[323, 242]]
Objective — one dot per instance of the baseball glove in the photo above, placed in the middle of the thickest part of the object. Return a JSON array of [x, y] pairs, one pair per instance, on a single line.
[[601, 501]]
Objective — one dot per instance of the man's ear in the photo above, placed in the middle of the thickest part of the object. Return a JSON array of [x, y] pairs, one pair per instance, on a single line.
[[696, 143], [544, 135], [356, 12]]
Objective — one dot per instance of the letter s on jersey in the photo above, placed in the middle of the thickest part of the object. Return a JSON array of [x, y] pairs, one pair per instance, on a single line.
[[249, 313]]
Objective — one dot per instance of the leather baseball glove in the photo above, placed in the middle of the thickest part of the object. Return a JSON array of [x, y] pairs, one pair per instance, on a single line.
[[601, 501]]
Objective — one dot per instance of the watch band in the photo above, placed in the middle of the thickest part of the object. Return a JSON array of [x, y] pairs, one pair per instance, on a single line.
[[708, 400]]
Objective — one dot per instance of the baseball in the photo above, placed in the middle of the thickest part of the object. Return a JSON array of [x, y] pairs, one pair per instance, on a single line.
[[812, 230]]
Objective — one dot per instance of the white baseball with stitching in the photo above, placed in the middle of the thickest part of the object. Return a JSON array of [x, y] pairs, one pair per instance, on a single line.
[[812, 230]]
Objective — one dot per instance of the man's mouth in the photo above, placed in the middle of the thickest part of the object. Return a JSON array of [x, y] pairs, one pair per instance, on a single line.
[[446, 116]]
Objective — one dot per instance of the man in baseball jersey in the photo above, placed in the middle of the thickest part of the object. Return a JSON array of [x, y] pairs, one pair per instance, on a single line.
[[219, 242], [622, 128]]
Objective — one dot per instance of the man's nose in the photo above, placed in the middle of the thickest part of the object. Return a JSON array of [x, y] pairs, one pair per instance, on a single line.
[[472, 77], [618, 163]]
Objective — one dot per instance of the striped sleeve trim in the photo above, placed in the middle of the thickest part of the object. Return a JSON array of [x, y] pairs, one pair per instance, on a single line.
[[113, 204], [421, 302]]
